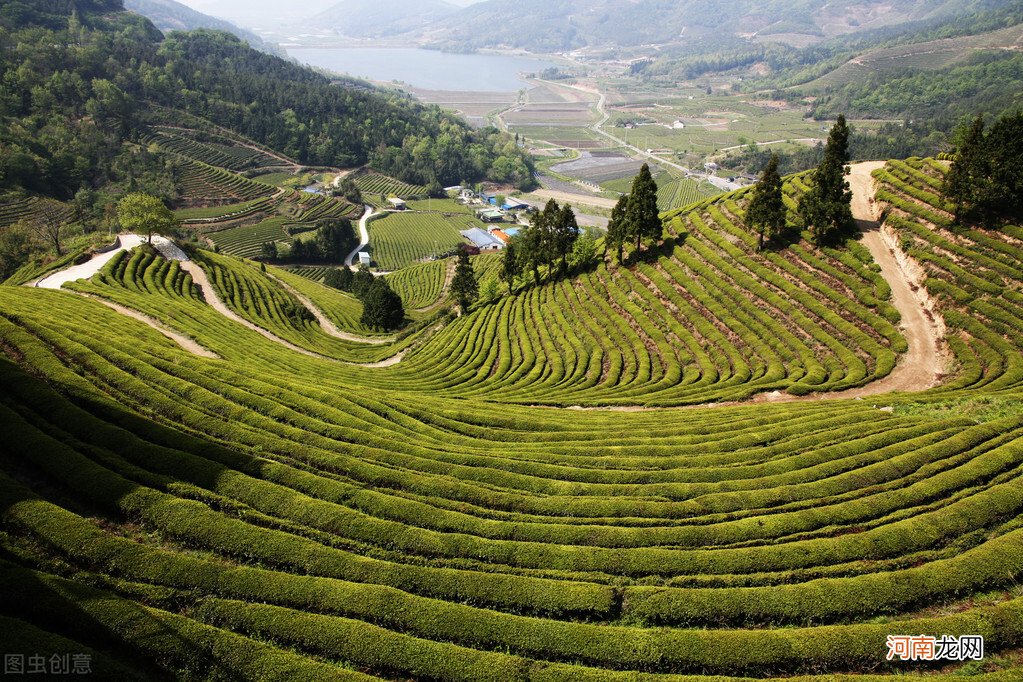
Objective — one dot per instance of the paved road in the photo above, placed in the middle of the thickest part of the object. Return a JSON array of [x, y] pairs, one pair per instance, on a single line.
[[363, 235], [126, 242]]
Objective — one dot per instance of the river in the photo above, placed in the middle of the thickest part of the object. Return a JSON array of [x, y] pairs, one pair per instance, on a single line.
[[425, 69]]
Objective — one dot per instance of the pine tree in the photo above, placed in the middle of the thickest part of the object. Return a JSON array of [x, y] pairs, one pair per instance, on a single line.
[[766, 212], [564, 234], [643, 219], [826, 208], [464, 286], [510, 267], [617, 229]]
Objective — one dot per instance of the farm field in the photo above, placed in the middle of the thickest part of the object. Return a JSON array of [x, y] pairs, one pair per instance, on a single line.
[[374, 186], [400, 239], [717, 505], [420, 285]]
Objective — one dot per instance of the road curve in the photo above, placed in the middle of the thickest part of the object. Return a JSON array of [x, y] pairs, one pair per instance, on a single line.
[[363, 235]]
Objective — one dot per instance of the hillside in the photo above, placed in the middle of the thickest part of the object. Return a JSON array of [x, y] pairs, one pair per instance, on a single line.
[[169, 15], [695, 25], [372, 18], [310, 511]]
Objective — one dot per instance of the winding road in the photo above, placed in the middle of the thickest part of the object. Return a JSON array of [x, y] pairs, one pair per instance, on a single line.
[[363, 235]]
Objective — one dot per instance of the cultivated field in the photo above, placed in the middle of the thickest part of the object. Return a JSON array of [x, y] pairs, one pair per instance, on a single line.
[[304, 507], [400, 239]]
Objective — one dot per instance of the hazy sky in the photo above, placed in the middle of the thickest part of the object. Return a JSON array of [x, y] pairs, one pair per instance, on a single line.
[[270, 13]]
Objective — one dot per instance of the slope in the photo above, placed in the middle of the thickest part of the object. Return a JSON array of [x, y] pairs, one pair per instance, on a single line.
[[283, 516]]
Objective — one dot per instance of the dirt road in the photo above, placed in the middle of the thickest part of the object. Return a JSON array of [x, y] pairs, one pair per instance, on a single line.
[[922, 366]]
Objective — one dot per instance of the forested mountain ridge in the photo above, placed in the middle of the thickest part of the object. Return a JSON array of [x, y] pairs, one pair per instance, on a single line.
[[169, 15], [83, 77], [555, 25]]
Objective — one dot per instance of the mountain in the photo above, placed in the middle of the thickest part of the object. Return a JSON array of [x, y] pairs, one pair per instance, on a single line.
[[555, 25], [169, 15], [374, 18]]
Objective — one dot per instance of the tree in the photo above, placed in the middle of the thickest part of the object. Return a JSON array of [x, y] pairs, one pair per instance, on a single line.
[[142, 213], [826, 208], [464, 287], [563, 235], [584, 252], [969, 169], [15, 248], [489, 291], [617, 228], [362, 280], [381, 307], [339, 278], [643, 220], [333, 239], [510, 267], [1002, 195], [268, 252], [766, 212], [48, 221]]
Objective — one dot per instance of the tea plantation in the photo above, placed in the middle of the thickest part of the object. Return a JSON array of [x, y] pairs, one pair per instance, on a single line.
[[669, 470]]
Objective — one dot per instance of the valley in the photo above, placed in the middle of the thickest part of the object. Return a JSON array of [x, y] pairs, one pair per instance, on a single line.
[[643, 367]]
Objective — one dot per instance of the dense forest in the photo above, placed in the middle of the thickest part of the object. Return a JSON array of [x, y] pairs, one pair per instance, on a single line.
[[82, 77]]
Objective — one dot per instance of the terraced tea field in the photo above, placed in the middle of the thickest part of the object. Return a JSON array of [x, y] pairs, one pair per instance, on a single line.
[[398, 240], [424, 507]]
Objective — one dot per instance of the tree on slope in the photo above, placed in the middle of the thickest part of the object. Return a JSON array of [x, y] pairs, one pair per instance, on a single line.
[[766, 212], [48, 222], [969, 169], [643, 220], [381, 307], [563, 235], [986, 178], [142, 213], [826, 208], [464, 286], [339, 278], [510, 267], [617, 228]]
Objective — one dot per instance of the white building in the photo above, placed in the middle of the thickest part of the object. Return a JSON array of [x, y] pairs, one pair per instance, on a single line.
[[365, 258]]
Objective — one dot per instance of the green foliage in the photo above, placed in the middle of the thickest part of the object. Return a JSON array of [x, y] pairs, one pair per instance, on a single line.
[[464, 287], [144, 214], [766, 212], [342, 279], [986, 177], [511, 266], [642, 219], [826, 208], [381, 307]]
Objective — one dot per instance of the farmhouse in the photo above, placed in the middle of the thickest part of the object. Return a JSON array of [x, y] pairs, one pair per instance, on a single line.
[[501, 234], [491, 215], [397, 204], [482, 240]]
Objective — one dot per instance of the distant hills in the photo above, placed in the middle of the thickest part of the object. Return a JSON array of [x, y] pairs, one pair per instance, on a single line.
[[373, 18], [555, 25], [169, 15]]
